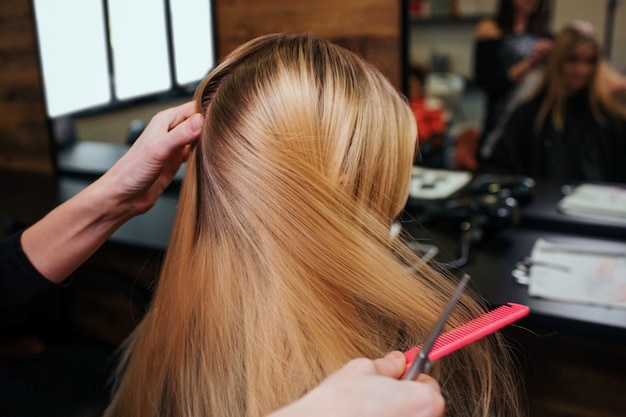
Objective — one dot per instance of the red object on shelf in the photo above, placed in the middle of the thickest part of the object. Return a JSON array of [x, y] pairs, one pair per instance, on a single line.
[[430, 121]]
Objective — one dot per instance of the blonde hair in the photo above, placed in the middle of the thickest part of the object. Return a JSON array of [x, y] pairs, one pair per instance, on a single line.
[[599, 95], [281, 267]]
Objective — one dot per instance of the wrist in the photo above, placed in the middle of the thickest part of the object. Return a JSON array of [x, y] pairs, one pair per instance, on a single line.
[[520, 69], [109, 202], [61, 241]]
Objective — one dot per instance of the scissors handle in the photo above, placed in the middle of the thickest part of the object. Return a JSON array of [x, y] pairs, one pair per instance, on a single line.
[[422, 364]]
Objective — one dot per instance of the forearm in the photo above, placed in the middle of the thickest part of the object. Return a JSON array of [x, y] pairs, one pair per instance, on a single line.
[[517, 71], [60, 242]]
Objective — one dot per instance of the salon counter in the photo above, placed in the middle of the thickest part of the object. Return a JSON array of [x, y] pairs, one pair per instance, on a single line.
[[558, 344], [494, 257], [27, 197]]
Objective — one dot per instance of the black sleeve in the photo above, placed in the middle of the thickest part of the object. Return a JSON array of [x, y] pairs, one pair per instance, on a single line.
[[20, 282], [512, 154], [618, 167], [490, 71]]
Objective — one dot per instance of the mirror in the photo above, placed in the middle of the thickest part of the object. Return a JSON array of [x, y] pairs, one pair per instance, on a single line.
[[440, 44]]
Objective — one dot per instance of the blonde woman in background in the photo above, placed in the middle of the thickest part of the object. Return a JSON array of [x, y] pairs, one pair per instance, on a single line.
[[574, 128], [281, 267]]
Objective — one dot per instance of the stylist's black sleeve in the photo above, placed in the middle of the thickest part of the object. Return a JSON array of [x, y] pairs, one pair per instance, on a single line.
[[490, 74], [20, 282], [490, 71], [515, 152], [618, 152]]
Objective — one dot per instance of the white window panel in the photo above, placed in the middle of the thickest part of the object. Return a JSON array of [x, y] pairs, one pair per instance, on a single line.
[[192, 32], [139, 47], [73, 53]]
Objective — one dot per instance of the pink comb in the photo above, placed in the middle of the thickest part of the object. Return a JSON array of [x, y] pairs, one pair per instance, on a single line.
[[470, 332]]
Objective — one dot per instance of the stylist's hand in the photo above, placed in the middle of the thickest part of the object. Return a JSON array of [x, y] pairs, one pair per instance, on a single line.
[[537, 56], [540, 52], [137, 180], [367, 388], [68, 235]]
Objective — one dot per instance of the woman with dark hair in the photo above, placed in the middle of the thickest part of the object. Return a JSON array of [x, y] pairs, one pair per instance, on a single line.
[[574, 128], [509, 48]]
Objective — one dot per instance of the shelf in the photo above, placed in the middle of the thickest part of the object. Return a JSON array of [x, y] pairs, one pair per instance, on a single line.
[[446, 20]]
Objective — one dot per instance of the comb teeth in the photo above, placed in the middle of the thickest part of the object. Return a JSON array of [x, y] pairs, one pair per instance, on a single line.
[[472, 331]]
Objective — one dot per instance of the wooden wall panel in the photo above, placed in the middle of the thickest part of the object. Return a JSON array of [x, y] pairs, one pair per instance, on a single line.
[[24, 141], [371, 27]]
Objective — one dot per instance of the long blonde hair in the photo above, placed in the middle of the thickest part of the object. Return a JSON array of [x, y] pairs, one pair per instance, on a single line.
[[598, 93], [281, 267]]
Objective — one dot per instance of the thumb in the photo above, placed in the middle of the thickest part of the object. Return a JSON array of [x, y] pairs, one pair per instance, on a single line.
[[187, 131], [392, 365]]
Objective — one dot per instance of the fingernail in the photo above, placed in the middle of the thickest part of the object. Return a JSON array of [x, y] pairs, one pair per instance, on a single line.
[[394, 355]]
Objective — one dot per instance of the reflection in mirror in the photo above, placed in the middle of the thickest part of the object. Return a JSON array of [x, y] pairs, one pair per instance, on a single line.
[[441, 43], [109, 65]]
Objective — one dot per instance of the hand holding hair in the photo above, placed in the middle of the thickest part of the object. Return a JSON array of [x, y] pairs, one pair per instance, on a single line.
[[142, 174], [61, 241]]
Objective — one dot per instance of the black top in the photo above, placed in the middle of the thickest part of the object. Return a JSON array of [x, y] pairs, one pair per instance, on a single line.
[[584, 150], [492, 60], [490, 75], [20, 282]]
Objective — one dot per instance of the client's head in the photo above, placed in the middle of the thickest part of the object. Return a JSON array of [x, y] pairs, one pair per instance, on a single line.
[[575, 68], [572, 64], [286, 112], [281, 266]]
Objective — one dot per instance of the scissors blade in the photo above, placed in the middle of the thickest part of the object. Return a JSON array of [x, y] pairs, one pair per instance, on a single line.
[[421, 362]]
